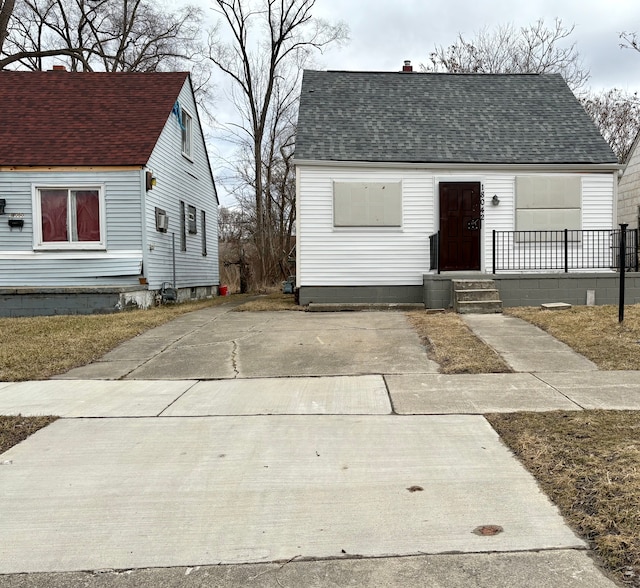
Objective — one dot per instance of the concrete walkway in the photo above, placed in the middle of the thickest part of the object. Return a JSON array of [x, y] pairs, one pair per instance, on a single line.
[[525, 347], [325, 439]]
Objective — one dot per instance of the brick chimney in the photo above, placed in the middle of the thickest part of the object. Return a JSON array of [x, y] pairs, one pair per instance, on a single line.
[[407, 65], [58, 68]]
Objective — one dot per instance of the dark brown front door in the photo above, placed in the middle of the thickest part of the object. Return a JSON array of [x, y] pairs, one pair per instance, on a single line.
[[459, 226]]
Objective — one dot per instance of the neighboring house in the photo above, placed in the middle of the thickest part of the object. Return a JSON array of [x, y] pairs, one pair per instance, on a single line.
[[402, 179], [100, 174], [629, 188]]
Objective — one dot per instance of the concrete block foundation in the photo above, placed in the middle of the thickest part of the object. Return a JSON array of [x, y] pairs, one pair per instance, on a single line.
[[16, 302], [514, 289], [538, 289]]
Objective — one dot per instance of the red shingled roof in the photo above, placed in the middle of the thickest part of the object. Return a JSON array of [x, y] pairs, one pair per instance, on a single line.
[[73, 118]]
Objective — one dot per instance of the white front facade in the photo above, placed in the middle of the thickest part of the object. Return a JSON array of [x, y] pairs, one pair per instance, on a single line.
[[329, 255]]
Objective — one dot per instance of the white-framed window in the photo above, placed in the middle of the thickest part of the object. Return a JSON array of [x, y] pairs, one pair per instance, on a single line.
[[192, 221], [187, 127], [69, 217]]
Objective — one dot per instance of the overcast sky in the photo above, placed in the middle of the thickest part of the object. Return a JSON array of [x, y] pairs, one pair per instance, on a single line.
[[383, 33], [386, 32]]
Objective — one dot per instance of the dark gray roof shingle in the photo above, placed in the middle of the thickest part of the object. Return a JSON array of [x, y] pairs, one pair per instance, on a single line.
[[445, 118]]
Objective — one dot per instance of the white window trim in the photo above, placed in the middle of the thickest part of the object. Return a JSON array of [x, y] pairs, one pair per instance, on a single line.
[[189, 133], [38, 245]]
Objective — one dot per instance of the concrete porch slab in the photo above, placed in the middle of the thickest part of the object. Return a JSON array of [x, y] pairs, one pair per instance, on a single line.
[[90, 398], [331, 395], [87, 494], [473, 394]]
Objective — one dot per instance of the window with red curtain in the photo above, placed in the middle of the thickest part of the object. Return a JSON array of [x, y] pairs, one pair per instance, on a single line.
[[87, 215], [70, 216], [53, 204]]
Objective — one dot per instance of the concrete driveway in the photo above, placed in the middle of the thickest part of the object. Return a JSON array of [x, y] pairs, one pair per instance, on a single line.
[[217, 344]]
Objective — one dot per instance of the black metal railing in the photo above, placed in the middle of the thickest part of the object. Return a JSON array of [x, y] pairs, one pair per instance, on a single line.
[[434, 251], [563, 250]]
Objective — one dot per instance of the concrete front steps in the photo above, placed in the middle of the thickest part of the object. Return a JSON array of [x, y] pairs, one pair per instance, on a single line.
[[476, 297]]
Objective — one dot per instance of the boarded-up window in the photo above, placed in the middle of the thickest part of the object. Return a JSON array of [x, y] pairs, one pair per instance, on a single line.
[[367, 204], [548, 203]]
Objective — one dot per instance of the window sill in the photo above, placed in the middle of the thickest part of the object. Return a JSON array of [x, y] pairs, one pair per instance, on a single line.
[[70, 247]]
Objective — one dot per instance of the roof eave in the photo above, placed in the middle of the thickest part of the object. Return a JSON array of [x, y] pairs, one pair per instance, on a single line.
[[565, 167]]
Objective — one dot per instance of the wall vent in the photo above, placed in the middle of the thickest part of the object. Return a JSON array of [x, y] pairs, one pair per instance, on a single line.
[[162, 220]]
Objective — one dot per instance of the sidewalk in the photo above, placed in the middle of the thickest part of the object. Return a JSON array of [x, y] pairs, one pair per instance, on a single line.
[[390, 461]]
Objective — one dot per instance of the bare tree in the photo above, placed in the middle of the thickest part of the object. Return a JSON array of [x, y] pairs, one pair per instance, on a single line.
[[271, 40], [617, 115], [537, 48], [630, 41], [6, 10], [235, 247], [101, 35]]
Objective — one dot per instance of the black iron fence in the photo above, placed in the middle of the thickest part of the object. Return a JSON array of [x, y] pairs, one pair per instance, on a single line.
[[563, 250]]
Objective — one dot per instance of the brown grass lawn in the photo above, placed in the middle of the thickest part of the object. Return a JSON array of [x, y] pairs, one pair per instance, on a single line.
[[452, 345], [270, 302], [593, 331], [588, 463], [14, 429]]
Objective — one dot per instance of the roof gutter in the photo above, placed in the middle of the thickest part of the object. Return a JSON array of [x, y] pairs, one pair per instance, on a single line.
[[560, 167]]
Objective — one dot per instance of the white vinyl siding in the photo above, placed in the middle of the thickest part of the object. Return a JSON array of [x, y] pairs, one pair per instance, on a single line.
[[360, 256], [598, 202], [500, 217]]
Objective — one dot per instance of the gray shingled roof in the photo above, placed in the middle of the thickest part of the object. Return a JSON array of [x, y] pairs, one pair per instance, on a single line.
[[445, 118]]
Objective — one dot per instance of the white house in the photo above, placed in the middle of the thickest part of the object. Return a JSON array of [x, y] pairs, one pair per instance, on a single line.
[[405, 180], [106, 192]]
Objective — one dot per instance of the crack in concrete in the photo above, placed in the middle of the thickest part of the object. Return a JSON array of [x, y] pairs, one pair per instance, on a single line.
[[234, 359]]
